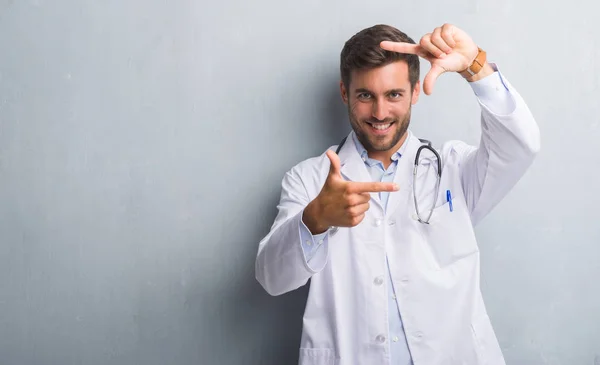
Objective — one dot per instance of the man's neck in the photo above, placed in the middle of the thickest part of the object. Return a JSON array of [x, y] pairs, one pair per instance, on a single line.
[[386, 156]]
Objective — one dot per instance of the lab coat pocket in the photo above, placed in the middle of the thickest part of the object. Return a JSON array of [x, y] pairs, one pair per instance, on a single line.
[[316, 356], [449, 234]]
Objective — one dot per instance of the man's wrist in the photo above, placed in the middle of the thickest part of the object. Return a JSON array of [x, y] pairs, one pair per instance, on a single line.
[[310, 217], [486, 70]]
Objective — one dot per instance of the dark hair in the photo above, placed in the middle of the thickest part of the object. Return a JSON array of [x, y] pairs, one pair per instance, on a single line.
[[362, 51]]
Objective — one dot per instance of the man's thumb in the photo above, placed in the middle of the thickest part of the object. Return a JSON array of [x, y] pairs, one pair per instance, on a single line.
[[334, 169], [431, 77]]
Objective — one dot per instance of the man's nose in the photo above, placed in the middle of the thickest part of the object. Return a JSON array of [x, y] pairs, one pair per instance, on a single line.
[[380, 110]]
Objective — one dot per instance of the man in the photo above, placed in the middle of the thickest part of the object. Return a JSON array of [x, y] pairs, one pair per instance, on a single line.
[[392, 258]]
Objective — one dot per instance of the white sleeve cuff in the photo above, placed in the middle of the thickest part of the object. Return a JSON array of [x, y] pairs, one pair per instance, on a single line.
[[314, 247], [494, 93]]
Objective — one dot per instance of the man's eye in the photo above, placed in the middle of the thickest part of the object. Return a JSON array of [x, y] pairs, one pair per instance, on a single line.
[[364, 96], [395, 95]]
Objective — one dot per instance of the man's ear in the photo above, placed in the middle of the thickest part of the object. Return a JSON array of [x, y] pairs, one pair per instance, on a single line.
[[343, 92], [416, 92]]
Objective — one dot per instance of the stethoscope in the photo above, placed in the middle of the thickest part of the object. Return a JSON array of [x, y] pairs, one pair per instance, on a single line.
[[426, 145]]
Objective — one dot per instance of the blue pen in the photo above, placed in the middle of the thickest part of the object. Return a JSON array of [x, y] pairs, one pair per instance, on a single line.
[[449, 198]]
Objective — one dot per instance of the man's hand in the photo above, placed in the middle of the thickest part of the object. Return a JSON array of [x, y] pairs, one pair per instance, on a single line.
[[448, 49], [340, 203]]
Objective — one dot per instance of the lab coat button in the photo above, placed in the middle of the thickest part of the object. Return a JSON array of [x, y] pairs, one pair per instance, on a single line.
[[395, 338], [377, 222], [308, 243], [380, 338], [415, 217], [378, 280]]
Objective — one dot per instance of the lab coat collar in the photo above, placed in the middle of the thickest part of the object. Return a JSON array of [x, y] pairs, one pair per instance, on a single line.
[[352, 166]]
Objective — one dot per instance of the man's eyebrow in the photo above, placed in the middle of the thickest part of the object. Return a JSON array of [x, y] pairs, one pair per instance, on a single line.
[[364, 90], [399, 91]]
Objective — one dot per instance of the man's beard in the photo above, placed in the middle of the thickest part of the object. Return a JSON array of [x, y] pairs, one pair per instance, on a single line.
[[372, 146]]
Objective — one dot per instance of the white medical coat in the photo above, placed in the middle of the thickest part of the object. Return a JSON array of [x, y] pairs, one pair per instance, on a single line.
[[435, 267]]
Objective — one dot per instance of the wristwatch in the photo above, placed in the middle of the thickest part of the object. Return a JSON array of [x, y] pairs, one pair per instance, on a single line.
[[476, 66]]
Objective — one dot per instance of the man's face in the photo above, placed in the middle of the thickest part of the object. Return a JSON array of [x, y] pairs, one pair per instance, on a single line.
[[379, 104]]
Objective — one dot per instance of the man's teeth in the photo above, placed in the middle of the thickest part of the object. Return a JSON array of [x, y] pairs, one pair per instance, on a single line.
[[381, 127]]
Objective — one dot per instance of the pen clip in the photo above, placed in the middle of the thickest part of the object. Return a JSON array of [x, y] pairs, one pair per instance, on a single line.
[[449, 199]]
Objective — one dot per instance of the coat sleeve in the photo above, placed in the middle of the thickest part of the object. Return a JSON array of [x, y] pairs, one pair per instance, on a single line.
[[510, 140], [283, 262]]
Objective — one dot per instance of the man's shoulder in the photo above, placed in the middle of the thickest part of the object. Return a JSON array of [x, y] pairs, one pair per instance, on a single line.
[[454, 149], [446, 149], [310, 172], [313, 165]]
